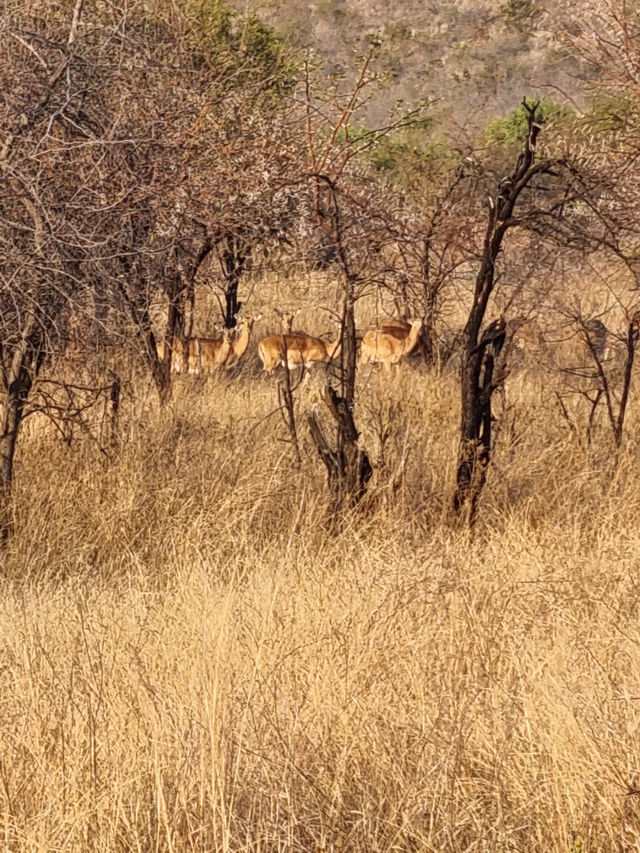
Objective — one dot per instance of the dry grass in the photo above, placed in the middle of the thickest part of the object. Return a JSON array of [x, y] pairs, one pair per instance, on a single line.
[[189, 661]]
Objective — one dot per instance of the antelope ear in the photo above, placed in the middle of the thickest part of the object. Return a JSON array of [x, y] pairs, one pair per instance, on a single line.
[[257, 317]]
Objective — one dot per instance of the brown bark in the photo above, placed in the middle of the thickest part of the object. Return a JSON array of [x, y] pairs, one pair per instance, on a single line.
[[475, 441], [348, 466], [479, 350], [233, 258], [26, 361]]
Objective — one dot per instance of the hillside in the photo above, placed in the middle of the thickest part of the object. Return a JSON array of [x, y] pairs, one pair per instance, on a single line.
[[476, 58]]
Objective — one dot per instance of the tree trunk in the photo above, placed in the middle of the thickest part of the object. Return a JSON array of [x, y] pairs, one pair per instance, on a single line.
[[25, 364], [138, 309], [348, 467], [476, 380], [633, 331], [175, 326], [348, 351], [160, 370], [475, 430], [234, 258]]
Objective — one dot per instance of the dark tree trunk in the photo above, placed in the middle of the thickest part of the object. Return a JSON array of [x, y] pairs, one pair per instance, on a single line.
[[428, 333], [160, 370], [355, 466], [475, 431], [348, 351], [431, 289], [25, 365], [234, 258], [348, 466], [114, 419], [633, 331], [136, 305], [182, 294], [477, 371], [323, 245], [285, 395], [175, 327], [179, 295], [190, 287]]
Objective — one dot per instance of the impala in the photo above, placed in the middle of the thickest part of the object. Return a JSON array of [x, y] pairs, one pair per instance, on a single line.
[[240, 342], [209, 353], [302, 349], [403, 325], [203, 354], [390, 343]]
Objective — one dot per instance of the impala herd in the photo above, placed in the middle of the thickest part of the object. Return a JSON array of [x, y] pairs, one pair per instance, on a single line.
[[386, 345]]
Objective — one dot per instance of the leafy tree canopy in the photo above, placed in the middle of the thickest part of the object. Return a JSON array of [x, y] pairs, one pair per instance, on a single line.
[[504, 135]]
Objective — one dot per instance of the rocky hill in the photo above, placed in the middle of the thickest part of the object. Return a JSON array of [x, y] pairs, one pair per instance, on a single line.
[[477, 57]]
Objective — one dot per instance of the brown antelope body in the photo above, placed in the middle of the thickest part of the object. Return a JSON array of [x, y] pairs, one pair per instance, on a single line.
[[390, 343], [403, 325], [203, 354], [241, 339], [302, 349]]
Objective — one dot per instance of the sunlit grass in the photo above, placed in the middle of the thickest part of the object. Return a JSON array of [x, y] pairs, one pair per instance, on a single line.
[[191, 660]]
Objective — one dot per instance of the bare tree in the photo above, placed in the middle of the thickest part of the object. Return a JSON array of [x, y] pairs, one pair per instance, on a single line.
[[348, 465], [351, 220], [482, 345], [434, 238], [106, 193]]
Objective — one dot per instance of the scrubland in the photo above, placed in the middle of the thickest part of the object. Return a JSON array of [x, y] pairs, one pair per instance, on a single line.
[[192, 659]]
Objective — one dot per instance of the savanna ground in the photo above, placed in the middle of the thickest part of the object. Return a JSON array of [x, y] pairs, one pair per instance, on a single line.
[[191, 660]]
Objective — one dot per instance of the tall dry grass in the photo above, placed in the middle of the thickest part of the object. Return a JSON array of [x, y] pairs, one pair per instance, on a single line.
[[189, 660]]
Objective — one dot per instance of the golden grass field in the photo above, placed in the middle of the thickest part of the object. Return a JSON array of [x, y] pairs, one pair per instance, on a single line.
[[190, 660]]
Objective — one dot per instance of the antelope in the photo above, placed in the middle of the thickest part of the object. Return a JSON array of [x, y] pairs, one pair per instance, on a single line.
[[302, 349], [203, 354], [391, 343], [405, 326], [241, 341], [209, 353]]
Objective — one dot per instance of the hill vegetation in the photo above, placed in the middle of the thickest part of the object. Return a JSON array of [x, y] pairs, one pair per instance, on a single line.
[[475, 60]]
